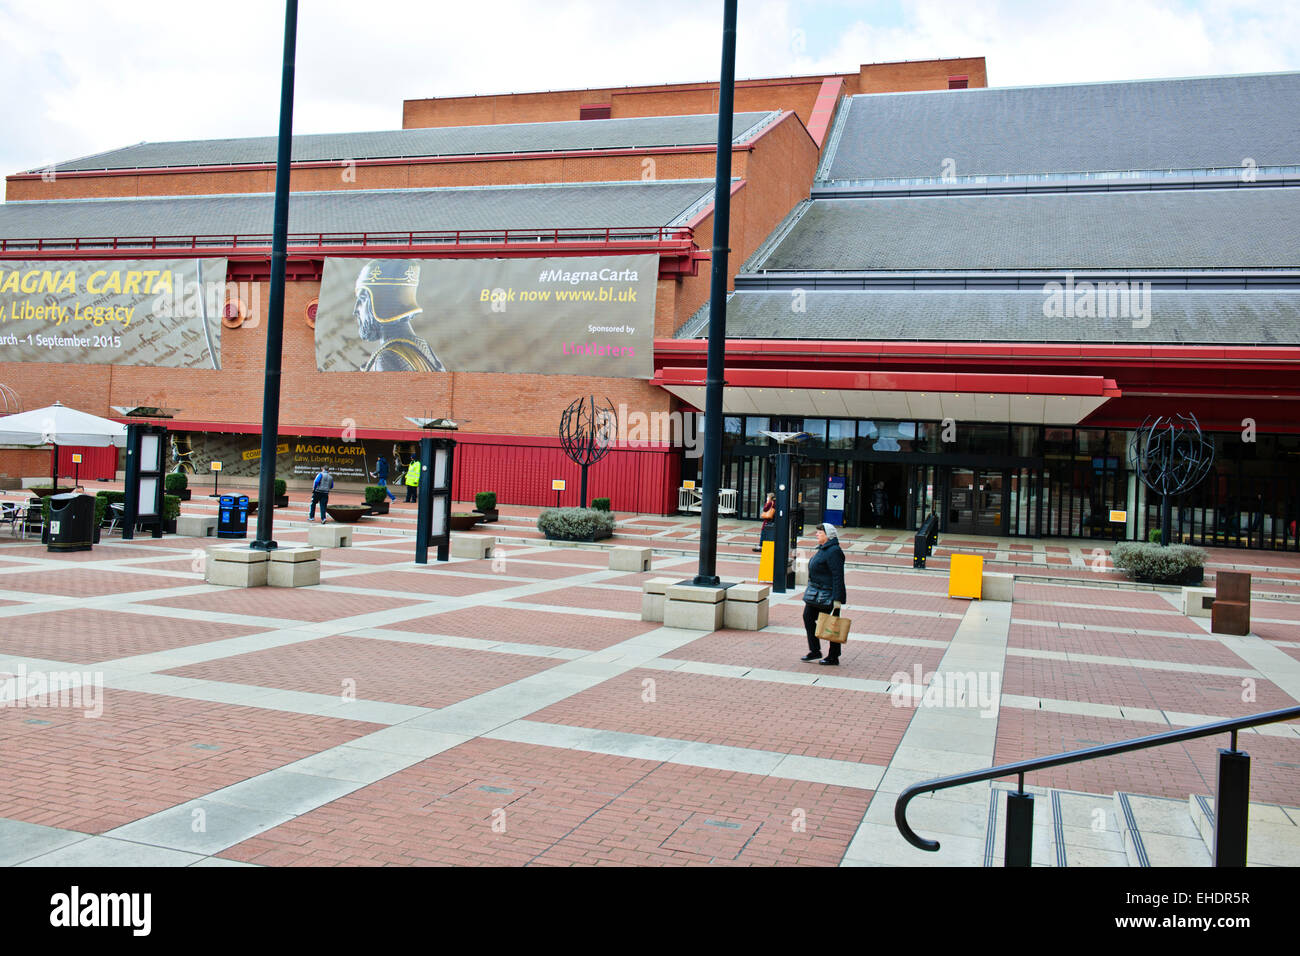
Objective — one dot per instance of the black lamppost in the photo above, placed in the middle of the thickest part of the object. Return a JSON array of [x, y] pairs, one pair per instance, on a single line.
[[275, 308]]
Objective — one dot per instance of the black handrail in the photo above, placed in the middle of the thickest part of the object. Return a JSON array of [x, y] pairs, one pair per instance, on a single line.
[[1074, 756]]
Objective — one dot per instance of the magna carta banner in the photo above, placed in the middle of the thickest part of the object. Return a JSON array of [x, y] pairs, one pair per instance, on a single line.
[[160, 312], [556, 316]]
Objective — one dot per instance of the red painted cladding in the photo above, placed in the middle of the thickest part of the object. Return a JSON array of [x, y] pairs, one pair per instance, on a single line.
[[633, 479], [96, 463]]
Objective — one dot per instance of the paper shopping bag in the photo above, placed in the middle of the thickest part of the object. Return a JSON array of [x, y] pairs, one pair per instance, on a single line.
[[832, 628]]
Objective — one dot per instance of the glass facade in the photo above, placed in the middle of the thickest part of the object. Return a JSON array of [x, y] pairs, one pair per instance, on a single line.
[[1017, 480]]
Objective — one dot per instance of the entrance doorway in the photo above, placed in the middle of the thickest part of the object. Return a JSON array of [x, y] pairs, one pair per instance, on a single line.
[[976, 501], [883, 498]]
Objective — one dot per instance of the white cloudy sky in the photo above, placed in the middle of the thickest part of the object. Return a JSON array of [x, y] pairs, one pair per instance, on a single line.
[[80, 76]]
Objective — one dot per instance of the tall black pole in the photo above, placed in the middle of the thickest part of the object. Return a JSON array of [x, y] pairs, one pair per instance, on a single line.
[[275, 310], [707, 575]]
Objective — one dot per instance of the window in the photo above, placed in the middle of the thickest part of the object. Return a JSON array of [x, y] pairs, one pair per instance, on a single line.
[[956, 82], [594, 111]]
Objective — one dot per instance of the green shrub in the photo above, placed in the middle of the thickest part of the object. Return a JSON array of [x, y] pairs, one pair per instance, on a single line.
[[575, 524], [1154, 535], [600, 504], [176, 481], [485, 500], [375, 495], [281, 489], [171, 507], [112, 497], [1158, 565], [101, 506]]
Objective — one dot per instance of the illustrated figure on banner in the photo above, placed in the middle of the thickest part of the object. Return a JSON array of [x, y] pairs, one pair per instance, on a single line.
[[386, 303]]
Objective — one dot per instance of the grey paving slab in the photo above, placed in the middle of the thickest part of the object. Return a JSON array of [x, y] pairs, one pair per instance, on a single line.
[[201, 827], [718, 757], [612, 742], [284, 791], [21, 841], [105, 851], [357, 764], [407, 740], [838, 773], [218, 861]]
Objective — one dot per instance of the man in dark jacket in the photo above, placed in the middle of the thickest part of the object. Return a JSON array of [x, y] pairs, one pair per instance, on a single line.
[[381, 476], [825, 592]]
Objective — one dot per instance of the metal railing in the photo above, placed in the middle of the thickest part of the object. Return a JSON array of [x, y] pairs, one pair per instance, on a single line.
[[604, 236], [1232, 799]]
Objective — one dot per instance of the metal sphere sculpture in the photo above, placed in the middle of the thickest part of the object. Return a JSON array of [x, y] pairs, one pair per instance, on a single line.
[[1171, 456], [587, 433]]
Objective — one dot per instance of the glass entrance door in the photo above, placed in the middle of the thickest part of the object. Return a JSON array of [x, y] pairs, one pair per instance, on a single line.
[[976, 501]]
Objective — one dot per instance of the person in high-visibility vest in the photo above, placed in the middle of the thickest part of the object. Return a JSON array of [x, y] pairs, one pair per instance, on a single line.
[[412, 480]]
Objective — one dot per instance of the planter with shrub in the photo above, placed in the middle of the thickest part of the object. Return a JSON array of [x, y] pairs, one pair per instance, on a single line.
[[177, 483], [600, 504], [485, 503], [575, 524], [377, 500], [281, 493], [171, 511], [1152, 564]]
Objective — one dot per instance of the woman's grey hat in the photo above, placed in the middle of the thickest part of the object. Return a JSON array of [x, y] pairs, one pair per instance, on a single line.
[[830, 530]]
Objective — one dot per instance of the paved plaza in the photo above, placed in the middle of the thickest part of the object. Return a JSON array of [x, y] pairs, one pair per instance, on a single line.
[[517, 710]]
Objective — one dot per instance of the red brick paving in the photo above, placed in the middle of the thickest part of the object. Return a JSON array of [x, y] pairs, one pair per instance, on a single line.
[[866, 660], [1171, 621], [919, 626], [392, 671], [295, 604], [517, 625], [605, 599], [1098, 597], [1104, 643], [84, 636], [143, 755], [565, 808], [1277, 610], [333, 557], [791, 718], [85, 582], [419, 582]]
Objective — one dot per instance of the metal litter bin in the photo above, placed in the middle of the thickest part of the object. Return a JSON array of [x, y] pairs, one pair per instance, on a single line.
[[72, 522], [232, 519]]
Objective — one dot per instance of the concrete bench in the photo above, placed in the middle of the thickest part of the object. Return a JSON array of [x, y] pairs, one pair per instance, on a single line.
[[694, 608], [330, 536], [1198, 601], [629, 559], [196, 526], [652, 598], [472, 546], [293, 568], [236, 567], [745, 608], [997, 587]]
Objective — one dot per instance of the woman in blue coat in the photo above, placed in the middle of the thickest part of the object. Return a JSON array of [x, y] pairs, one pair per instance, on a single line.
[[825, 592]]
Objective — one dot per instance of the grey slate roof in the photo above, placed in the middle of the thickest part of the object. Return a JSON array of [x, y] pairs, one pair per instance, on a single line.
[[509, 207], [1152, 125], [1176, 316], [634, 132], [1186, 229]]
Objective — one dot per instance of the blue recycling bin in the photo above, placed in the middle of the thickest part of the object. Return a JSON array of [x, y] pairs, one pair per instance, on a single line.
[[232, 519]]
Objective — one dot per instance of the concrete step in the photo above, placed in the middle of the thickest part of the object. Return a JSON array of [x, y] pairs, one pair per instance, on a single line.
[[1070, 829], [1158, 832], [1272, 831]]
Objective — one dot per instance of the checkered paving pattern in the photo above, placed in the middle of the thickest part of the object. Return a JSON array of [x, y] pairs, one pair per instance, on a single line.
[[450, 665], [490, 803]]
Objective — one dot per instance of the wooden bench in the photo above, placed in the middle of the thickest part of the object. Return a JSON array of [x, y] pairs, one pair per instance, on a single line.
[[1230, 613]]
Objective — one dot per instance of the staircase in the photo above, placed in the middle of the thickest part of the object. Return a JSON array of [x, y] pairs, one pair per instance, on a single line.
[[1129, 829]]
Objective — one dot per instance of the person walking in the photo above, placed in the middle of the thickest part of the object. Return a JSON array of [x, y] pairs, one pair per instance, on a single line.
[[412, 480], [768, 516], [880, 503], [321, 487], [381, 476], [825, 593]]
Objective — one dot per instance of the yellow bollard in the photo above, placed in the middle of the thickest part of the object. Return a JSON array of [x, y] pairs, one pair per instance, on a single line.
[[765, 561]]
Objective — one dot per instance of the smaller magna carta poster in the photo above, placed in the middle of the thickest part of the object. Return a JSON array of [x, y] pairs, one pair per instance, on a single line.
[[555, 316]]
